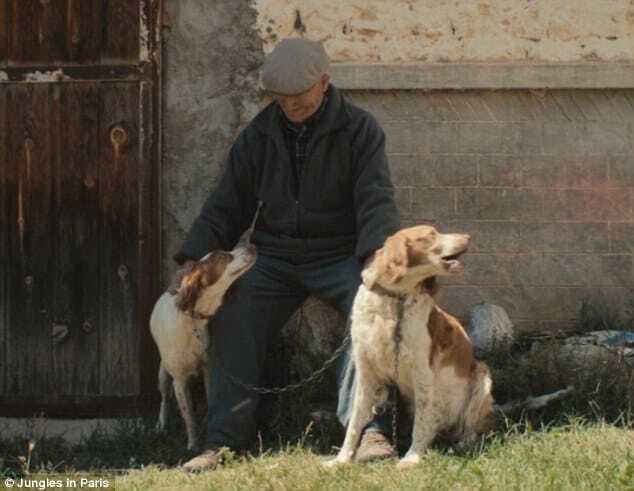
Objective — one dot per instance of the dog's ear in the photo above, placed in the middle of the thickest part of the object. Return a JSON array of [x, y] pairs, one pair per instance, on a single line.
[[395, 258], [189, 292], [371, 270]]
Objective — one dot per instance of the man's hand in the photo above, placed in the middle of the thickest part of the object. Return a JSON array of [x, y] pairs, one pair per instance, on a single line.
[[178, 275]]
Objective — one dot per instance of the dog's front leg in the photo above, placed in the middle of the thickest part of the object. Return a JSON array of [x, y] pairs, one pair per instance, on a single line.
[[185, 405], [368, 393], [165, 388], [425, 418]]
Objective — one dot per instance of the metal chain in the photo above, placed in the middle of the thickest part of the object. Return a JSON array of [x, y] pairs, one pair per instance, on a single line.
[[316, 375], [400, 307]]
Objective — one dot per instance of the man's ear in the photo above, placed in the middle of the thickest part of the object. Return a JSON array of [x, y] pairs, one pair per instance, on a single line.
[[325, 81]]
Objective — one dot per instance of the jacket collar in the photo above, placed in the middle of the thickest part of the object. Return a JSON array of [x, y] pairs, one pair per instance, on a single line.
[[335, 116]]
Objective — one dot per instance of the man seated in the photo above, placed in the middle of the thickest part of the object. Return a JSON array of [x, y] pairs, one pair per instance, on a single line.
[[317, 163]]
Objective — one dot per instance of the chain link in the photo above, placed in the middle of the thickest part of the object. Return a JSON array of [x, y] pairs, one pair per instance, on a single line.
[[400, 308], [316, 375]]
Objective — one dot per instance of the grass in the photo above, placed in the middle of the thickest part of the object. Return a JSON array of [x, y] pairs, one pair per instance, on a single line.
[[568, 445], [576, 455]]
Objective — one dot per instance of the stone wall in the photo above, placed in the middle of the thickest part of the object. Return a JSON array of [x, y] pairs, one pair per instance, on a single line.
[[211, 62], [406, 31], [542, 180]]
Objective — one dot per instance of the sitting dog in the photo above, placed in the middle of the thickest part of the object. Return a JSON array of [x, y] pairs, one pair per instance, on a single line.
[[400, 337], [179, 327]]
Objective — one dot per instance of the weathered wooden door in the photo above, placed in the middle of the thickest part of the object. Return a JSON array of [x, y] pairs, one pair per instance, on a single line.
[[79, 204]]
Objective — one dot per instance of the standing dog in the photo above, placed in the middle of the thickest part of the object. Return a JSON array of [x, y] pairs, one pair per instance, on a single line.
[[179, 327], [400, 337]]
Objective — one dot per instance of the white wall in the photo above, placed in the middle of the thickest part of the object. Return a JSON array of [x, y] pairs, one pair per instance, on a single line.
[[408, 31]]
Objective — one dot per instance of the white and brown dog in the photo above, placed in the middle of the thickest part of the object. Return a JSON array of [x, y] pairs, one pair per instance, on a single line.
[[179, 327], [400, 337]]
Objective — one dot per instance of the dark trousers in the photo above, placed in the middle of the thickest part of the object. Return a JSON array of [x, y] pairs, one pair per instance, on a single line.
[[261, 303]]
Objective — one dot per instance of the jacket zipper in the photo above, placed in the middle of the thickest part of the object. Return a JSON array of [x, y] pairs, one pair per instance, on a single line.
[[300, 170]]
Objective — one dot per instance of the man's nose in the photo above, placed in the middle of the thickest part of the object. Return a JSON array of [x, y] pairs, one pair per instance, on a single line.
[[287, 100]]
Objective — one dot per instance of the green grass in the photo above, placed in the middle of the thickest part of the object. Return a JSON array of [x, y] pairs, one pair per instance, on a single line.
[[567, 445], [575, 455]]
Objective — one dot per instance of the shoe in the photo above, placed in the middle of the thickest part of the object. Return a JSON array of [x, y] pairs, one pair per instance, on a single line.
[[210, 458], [375, 446]]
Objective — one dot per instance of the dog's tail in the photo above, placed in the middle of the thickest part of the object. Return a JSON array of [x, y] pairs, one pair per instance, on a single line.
[[477, 417]]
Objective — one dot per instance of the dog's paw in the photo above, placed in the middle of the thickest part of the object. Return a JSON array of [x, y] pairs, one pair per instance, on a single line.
[[332, 463], [410, 460]]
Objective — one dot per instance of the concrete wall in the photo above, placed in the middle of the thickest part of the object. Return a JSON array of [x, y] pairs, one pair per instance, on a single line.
[[211, 62], [543, 180], [397, 31]]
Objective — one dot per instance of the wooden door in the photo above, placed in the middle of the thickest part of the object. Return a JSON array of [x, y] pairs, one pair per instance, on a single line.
[[79, 205]]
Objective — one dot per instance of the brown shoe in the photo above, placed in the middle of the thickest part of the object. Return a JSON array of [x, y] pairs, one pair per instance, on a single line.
[[210, 458], [375, 446]]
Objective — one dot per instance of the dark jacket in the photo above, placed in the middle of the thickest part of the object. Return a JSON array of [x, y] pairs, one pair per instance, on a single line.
[[343, 204]]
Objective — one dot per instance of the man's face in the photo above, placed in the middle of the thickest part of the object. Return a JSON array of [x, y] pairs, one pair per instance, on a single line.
[[298, 108]]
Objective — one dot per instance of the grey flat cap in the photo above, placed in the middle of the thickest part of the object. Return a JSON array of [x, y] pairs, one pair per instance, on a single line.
[[294, 66]]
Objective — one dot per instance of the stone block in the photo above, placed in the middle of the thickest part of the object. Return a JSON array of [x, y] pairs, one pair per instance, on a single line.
[[622, 237], [527, 270], [499, 171], [564, 139], [540, 171], [429, 204], [622, 171], [544, 237], [400, 138], [528, 139], [454, 170], [489, 236], [588, 237], [567, 269], [603, 138], [607, 204], [564, 204], [589, 172], [487, 269]]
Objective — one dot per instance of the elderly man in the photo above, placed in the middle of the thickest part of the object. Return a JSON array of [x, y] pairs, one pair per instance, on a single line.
[[317, 164]]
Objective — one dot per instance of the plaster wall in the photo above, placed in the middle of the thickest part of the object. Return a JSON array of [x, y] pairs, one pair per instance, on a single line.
[[409, 31], [211, 62]]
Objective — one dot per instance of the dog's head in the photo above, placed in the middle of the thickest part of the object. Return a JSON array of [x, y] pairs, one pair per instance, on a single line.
[[214, 274], [413, 255]]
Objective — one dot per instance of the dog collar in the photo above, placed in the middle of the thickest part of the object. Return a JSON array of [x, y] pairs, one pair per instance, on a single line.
[[198, 316], [376, 288]]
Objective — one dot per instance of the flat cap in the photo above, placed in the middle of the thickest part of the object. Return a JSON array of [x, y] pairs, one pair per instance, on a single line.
[[294, 66]]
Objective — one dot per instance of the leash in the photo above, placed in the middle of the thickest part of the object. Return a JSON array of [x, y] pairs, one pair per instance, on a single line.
[[245, 240], [398, 336], [313, 377], [316, 375]]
